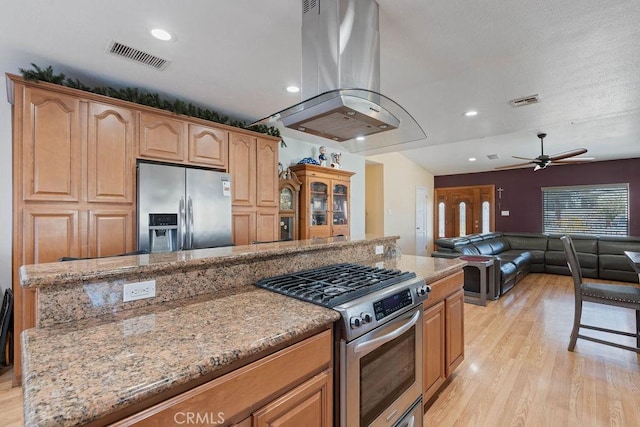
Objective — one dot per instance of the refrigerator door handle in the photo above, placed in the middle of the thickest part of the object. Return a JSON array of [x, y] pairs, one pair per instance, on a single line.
[[181, 224], [189, 223]]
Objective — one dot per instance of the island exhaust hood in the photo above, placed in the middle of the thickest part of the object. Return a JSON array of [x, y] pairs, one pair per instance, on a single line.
[[341, 80]]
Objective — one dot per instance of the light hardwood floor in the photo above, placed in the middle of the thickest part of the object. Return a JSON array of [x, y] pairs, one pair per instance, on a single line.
[[517, 370]]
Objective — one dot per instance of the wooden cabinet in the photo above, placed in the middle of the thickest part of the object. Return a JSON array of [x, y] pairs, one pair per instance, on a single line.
[[162, 138], [443, 333], [307, 405], [110, 154], [50, 135], [324, 201], [253, 165], [208, 146], [292, 387]]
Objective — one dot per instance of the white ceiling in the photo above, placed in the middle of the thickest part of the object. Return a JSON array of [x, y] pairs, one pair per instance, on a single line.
[[438, 60]]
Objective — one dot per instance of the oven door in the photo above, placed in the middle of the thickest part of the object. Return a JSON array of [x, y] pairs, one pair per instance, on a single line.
[[382, 377]]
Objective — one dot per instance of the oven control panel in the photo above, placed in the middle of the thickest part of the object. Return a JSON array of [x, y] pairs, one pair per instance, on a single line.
[[391, 304]]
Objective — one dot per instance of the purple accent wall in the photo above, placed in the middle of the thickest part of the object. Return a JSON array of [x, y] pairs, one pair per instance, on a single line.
[[522, 195]]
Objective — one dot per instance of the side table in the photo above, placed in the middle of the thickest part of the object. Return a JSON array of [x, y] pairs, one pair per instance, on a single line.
[[484, 267]]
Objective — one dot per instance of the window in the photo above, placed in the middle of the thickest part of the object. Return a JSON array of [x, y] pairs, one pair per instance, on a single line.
[[463, 219], [486, 216], [441, 219], [594, 209]]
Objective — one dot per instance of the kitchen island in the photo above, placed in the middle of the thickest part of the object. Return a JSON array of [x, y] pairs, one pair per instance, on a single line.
[[103, 367]]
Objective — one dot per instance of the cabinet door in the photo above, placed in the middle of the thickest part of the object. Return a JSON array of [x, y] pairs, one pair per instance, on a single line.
[[162, 138], [434, 372], [110, 155], [266, 173], [208, 146], [50, 233], [51, 146], [267, 224], [307, 405], [242, 166], [454, 305], [243, 226], [110, 232]]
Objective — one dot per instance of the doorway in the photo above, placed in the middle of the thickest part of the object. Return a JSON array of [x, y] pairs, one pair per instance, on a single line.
[[460, 211]]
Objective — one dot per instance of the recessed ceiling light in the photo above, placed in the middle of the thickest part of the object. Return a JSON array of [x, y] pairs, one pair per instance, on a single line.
[[360, 138], [471, 113], [160, 34], [293, 89], [472, 159]]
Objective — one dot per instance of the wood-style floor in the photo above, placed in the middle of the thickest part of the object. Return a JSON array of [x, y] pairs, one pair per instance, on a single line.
[[517, 370]]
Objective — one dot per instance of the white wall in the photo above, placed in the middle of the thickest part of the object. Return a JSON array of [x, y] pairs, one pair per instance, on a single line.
[[6, 190], [401, 177], [297, 150]]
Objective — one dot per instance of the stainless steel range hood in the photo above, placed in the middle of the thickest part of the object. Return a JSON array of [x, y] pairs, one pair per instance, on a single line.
[[341, 80]]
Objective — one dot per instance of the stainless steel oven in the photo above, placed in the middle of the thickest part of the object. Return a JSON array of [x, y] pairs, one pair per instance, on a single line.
[[379, 345], [382, 376]]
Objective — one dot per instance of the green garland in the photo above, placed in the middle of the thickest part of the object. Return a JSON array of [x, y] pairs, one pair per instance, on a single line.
[[143, 98]]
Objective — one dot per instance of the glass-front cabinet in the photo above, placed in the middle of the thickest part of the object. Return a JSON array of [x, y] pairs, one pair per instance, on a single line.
[[324, 201]]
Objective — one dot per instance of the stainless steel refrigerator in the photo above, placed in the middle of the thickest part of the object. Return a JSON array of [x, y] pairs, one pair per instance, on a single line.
[[182, 208]]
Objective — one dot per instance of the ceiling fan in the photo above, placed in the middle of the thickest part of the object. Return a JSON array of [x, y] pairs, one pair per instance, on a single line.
[[544, 160]]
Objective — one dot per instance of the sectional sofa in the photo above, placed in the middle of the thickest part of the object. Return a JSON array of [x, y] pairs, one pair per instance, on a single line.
[[517, 254]]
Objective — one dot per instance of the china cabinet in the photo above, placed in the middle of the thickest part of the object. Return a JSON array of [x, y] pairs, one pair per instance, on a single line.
[[324, 200]]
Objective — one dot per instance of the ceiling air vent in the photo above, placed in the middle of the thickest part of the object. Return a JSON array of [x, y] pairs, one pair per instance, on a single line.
[[308, 5], [527, 100], [493, 156], [136, 55]]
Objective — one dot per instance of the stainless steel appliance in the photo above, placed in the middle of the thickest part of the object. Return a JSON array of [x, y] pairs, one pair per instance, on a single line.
[[379, 344], [182, 208]]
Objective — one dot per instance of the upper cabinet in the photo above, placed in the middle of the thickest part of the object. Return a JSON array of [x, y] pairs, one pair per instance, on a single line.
[[324, 201], [162, 138], [48, 125], [208, 146], [110, 154]]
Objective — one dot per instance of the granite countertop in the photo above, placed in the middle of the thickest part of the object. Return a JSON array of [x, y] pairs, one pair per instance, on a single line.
[[81, 371]]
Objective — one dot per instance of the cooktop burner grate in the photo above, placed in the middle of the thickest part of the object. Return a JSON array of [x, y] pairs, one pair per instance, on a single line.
[[332, 285]]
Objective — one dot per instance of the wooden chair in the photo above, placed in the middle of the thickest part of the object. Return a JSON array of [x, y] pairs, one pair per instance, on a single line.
[[627, 296]]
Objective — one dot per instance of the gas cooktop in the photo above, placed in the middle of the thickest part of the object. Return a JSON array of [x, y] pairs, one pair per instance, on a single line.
[[333, 285]]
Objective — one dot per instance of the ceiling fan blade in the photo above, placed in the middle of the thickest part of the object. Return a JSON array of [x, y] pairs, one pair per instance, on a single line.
[[568, 154], [517, 165], [574, 161], [523, 158]]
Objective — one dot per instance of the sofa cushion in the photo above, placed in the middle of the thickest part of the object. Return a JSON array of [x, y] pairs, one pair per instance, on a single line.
[[499, 245], [468, 250], [484, 247], [521, 259], [527, 241]]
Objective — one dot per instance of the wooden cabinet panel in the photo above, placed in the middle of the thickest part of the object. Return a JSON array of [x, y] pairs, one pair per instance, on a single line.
[[434, 371], [243, 226], [208, 146], [110, 162], [307, 405], [111, 232], [455, 330], [267, 173], [242, 166], [51, 146], [49, 233], [162, 138], [267, 227]]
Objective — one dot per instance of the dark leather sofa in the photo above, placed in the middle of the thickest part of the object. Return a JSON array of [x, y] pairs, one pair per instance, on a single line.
[[517, 254]]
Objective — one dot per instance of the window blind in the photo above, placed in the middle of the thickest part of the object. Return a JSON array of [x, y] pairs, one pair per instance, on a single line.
[[601, 209]]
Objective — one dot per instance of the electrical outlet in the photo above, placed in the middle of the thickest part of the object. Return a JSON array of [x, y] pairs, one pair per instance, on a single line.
[[379, 250], [139, 290]]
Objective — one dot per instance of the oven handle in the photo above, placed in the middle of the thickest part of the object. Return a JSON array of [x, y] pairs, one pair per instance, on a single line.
[[369, 345]]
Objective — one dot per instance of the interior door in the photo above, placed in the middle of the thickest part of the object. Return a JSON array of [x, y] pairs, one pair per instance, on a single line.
[[421, 221]]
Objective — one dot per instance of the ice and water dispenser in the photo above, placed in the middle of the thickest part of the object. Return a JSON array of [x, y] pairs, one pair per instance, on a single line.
[[163, 232]]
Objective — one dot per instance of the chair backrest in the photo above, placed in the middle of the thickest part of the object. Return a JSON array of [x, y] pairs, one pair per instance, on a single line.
[[572, 262]]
